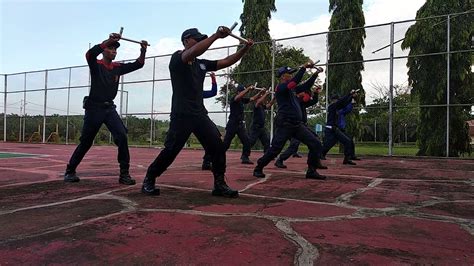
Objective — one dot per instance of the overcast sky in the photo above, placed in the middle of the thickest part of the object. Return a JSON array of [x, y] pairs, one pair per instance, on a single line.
[[37, 35]]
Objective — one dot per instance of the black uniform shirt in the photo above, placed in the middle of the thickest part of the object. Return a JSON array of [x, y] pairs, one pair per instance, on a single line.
[[237, 109], [259, 115], [105, 78], [187, 81]]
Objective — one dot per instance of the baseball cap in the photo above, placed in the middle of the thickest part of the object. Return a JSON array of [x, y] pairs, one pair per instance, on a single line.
[[285, 69], [115, 44], [194, 33], [240, 87]]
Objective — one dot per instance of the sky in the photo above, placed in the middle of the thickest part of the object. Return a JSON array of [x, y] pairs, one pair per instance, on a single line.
[[39, 34]]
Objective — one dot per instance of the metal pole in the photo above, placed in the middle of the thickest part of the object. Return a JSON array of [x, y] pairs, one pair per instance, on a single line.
[[152, 102], [448, 73], [67, 112], [24, 111], [121, 97], [45, 104], [21, 110], [273, 88], [227, 89], [126, 110], [5, 111], [390, 112], [327, 75], [375, 130]]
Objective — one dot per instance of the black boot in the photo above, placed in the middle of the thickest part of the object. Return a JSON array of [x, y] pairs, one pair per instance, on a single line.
[[246, 160], [297, 155], [149, 188], [206, 165], [258, 172], [70, 175], [279, 163], [311, 173], [355, 158], [222, 189], [347, 160], [125, 178], [319, 165]]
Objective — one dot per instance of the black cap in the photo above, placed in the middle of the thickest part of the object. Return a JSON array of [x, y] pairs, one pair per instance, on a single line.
[[285, 69], [114, 44], [193, 33], [240, 87]]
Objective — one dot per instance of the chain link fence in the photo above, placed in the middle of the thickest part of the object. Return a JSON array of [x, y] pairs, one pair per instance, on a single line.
[[46, 106]]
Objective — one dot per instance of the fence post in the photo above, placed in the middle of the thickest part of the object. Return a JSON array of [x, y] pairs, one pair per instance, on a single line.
[[227, 89], [152, 103], [45, 104], [327, 76], [121, 97], [273, 88], [68, 101], [390, 112], [5, 110], [448, 73], [24, 110]]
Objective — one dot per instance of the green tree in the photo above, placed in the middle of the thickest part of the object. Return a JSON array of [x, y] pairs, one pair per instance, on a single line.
[[427, 75], [346, 46], [255, 17], [405, 115]]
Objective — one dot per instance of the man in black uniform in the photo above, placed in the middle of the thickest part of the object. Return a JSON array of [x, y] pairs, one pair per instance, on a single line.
[[188, 114], [257, 129], [289, 122], [235, 126], [332, 133], [100, 108], [306, 98]]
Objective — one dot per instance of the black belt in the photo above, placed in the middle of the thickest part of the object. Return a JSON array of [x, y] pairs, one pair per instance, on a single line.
[[89, 103]]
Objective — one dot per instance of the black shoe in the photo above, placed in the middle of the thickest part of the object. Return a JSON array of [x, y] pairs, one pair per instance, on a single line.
[[279, 164], [297, 155], [319, 165], [71, 177], [355, 158], [206, 166], [258, 172], [312, 174], [348, 161], [149, 188], [323, 157], [125, 178], [222, 189], [246, 160]]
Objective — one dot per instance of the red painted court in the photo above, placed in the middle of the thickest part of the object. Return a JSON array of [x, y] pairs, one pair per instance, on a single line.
[[384, 211]]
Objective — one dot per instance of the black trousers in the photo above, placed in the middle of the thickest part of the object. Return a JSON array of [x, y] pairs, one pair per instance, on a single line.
[[289, 129], [233, 128], [332, 136], [93, 119], [259, 133], [180, 129], [292, 149]]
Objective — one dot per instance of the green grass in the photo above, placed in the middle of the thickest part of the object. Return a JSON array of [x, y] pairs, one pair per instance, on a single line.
[[362, 148]]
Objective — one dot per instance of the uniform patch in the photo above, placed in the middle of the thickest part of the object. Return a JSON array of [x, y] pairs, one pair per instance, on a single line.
[[202, 66]]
